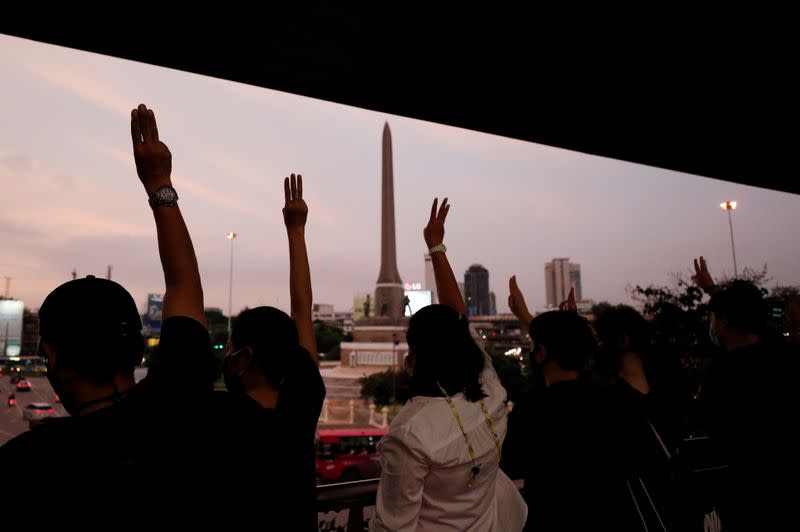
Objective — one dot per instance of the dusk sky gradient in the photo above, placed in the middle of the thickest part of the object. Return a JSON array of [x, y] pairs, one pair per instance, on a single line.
[[71, 199]]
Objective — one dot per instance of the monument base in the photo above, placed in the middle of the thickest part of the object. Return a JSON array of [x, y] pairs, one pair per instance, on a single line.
[[377, 345]]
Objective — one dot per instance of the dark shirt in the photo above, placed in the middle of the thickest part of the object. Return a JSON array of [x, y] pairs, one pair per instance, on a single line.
[[283, 438], [298, 410], [565, 442], [159, 444], [750, 399]]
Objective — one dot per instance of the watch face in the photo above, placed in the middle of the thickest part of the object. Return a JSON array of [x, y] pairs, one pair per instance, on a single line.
[[167, 194], [164, 195]]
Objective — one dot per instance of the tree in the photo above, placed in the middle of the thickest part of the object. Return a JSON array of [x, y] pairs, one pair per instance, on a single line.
[[511, 374], [378, 387], [600, 308], [329, 338]]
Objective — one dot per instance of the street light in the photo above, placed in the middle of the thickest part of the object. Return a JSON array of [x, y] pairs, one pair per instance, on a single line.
[[730, 206], [230, 237]]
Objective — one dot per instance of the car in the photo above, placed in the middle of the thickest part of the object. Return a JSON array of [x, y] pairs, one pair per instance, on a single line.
[[38, 411], [23, 385], [15, 378]]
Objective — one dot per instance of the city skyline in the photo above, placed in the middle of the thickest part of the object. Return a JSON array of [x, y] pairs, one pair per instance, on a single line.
[[72, 198]]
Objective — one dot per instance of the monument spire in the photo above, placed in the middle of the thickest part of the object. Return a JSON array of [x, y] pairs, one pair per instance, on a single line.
[[389, 289]]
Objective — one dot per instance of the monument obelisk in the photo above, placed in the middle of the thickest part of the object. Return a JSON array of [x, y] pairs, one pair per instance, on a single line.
[[389, 294], [379, 339]]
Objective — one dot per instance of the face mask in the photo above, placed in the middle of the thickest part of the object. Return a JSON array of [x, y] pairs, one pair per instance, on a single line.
[[408, 367], [234, 383], [233, 377], [713, 336]]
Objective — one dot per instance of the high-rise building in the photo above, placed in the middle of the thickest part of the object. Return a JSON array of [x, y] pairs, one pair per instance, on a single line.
[[492, 304], [430, 279], [559, 276], [476, 290]]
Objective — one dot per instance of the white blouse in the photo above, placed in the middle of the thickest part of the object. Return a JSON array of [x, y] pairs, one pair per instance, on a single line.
[[426, 466]]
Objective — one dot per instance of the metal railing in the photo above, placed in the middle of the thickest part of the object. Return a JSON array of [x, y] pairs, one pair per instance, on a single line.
[[354, 497], [351, 496]]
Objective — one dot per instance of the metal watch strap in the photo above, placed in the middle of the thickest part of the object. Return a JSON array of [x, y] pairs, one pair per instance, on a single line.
[[434, 249]]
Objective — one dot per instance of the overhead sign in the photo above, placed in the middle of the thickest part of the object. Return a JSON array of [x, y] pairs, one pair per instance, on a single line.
[[155, 307], [11, 311]]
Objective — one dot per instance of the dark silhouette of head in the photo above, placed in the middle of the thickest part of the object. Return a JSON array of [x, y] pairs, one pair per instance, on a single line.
[[737, 309], [267, 341], [621, 329], [90, 332], [562, 337], [443, 352]]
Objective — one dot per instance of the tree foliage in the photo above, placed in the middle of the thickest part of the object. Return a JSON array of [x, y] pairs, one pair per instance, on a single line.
[[329, 338], [378, 386]]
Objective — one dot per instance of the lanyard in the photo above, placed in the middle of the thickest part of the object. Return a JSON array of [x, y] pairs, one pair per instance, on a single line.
[[476, 467]]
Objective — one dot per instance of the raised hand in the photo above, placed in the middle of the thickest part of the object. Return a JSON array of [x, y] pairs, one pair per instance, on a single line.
[[153, 158], [701, 276], [295, 210], [434, 231], [570, 303], [516, 302]]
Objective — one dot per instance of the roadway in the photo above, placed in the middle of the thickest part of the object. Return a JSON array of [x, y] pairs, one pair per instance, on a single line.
[[11, 421]]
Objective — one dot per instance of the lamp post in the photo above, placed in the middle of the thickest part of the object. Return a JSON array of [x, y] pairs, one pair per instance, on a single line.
[[730, 206], [393, 398], [230, 237]]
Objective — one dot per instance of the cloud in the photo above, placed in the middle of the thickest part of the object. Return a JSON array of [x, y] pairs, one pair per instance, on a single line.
[[73, 80]]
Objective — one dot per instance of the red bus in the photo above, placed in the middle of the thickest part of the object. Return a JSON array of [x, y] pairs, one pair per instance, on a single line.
[[348, 454]]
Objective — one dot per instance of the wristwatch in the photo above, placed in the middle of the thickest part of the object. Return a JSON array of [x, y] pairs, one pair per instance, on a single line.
[[434, 249], [164, 196]]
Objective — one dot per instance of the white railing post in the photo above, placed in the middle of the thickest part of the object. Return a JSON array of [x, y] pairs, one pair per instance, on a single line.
[[324, 416]]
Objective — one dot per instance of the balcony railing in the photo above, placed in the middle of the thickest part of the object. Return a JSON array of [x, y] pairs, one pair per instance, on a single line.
[[353, 497]]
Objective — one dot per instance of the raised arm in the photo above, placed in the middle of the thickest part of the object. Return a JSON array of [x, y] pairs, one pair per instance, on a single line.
[[183, 295], [702, 278], [295, 213], [446, 284], [569, 304], [516, 302]]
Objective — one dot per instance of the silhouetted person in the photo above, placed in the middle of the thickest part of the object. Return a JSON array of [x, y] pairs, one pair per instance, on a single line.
[[271, 365], [751, 401], [126, 443], [440, 458], [567, 440]]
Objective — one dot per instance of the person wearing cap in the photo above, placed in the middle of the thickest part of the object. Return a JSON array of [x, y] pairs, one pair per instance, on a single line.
[[90, 335]]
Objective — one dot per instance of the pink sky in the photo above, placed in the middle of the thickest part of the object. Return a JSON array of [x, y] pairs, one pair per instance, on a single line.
[[71, 198]]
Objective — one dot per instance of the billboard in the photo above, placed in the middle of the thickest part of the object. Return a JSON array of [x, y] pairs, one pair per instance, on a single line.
[[11, 326], [155, 305], [416, 299]]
